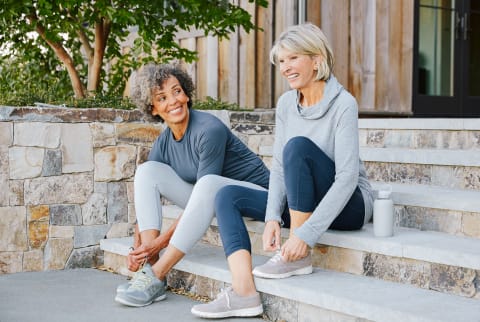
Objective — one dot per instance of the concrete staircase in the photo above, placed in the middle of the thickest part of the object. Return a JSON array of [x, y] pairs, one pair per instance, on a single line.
[[428, 271]]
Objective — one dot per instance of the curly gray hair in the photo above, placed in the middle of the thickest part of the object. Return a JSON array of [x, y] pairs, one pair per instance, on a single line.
[[150, 76]]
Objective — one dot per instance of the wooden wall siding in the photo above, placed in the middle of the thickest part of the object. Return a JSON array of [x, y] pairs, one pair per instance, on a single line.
[[285, 15], [264, 70], [372, 41]]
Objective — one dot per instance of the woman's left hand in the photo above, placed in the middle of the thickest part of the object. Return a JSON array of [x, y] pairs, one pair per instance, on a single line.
[[294, 249]]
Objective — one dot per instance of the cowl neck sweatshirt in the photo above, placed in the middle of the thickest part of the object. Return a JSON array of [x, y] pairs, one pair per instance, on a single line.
[[332, 124]]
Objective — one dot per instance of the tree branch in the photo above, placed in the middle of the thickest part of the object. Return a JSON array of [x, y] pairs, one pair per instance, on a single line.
[[85, 43], [62, 55]]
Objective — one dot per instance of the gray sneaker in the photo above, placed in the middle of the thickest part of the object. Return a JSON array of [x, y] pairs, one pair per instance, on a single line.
[[276, 267], [144, 289], [123, 287], [229, 304]]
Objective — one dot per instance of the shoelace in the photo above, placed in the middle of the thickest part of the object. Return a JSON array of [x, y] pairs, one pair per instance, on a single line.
[[132, 280], [277, 257], [224, 292], [141, 281]]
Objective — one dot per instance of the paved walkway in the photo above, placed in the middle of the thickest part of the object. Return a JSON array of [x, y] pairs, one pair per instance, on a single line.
[[82, 295]]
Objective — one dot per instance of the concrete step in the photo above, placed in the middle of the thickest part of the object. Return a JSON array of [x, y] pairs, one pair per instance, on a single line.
[[323, 295], [413, 244], [425, 259]]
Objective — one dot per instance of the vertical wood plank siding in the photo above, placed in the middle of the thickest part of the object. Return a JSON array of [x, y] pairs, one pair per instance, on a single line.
[[372, 42]]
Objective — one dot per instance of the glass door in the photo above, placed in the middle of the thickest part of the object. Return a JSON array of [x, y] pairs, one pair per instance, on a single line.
[[446, 58]]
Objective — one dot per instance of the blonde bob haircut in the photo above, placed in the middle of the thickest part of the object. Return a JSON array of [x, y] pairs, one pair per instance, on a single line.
[[306, 39]]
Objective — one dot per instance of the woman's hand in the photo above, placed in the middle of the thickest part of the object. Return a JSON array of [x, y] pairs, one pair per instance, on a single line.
[[294, 249], [271, 236], [132, 264], [146, 250]]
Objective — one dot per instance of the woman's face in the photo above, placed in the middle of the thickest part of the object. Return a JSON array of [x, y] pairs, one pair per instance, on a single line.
[[170, 101], [298, 69]]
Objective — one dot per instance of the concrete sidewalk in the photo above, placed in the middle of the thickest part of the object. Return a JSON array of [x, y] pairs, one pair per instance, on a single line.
[[83, 295]]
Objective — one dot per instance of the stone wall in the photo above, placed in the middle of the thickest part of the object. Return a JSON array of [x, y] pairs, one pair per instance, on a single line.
[[66, 178], [66, 182]]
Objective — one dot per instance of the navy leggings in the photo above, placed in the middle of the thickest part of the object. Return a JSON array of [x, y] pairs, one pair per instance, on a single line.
[[309, 173]]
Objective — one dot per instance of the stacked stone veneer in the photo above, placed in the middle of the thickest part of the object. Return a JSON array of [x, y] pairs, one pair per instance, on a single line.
[[66, 182], [66, 178]]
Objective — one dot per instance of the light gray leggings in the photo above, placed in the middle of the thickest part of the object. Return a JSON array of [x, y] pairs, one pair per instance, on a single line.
[[153, 179]]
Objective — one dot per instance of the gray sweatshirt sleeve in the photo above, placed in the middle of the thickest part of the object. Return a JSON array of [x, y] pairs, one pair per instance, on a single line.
[[277, 192]]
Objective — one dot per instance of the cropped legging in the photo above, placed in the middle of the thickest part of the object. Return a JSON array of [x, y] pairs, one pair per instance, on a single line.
[[154, 179], [309, 173]]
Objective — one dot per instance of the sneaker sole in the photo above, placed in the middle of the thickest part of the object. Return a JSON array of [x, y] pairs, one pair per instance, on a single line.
[[126, 302], [301, 271], [249, 312]]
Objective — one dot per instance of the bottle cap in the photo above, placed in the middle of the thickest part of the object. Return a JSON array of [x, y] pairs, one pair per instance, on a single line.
[[384, 194], [385, 191]]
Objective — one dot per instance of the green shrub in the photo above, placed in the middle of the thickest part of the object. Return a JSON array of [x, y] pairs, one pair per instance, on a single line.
[[17, 88]]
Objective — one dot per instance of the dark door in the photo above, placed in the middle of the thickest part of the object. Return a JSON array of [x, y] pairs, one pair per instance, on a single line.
[[446, 75]]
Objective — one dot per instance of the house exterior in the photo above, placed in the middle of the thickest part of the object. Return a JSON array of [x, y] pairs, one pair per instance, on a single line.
[[399, 58]]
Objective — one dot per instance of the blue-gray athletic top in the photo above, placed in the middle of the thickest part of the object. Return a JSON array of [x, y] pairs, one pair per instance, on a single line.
[[209, 147]]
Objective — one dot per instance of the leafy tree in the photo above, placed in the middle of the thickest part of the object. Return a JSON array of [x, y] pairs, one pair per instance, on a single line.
[[86, 36]]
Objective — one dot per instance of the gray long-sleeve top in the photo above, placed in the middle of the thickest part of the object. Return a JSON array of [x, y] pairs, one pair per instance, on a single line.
[[332, 124]]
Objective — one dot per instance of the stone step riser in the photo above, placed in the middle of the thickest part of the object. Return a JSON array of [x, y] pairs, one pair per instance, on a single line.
[[439, 277], [420, 139], [459, 223], [457, 177], [407, 139]]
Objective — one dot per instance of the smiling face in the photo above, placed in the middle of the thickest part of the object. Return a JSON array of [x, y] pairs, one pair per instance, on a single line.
[[170, 102], [300, 70]]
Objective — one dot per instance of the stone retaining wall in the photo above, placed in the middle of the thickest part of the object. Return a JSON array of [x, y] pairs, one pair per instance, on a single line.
[[66, 178]]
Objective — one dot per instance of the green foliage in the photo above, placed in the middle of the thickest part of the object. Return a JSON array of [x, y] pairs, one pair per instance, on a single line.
[[24, 82], [99, 101], [30, 29], [214, 104], [19, 87]]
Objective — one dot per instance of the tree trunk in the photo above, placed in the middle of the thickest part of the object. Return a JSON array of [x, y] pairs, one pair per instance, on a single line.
[[102, 30]]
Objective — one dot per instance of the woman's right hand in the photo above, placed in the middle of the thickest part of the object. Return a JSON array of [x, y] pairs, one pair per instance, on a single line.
[[271, 236], [132, 264]]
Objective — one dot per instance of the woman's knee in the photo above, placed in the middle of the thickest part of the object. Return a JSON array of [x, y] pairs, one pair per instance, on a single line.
[[144, 169], [296, 146], [225, 201], [208, 183], [151, 169]]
